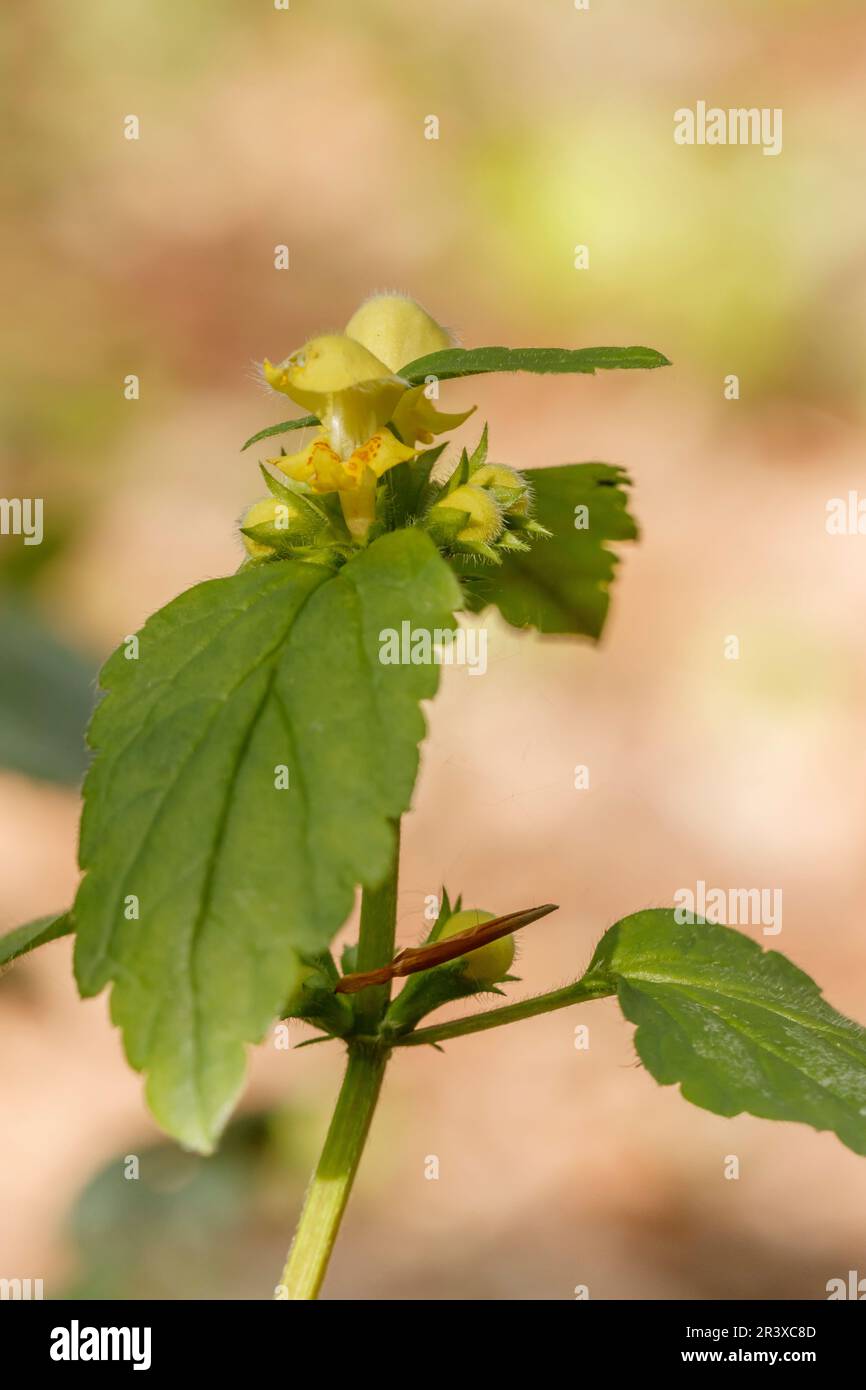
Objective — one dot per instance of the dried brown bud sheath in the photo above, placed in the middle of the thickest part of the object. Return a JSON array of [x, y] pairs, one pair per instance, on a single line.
[[415, 958]]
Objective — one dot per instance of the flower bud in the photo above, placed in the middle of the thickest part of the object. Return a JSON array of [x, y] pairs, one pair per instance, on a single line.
[[261, 513], [511, 486], [297, 1000], [486, 964], [396, 330], [278, 524], [312, 997], [485, 514]]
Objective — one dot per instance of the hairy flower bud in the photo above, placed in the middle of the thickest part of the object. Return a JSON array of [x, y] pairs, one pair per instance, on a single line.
[[297, 1000], [312, 997], [277, 524], [509, 486], [486, 964], [485, 514]]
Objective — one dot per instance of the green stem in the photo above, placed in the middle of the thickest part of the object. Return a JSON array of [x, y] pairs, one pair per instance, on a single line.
[[335, 1172], [332, 1181], [511, 1013], [376, 941]]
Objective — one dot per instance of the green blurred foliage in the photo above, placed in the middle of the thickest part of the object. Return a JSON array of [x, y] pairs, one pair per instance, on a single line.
[[218, 1224], [47, 690]]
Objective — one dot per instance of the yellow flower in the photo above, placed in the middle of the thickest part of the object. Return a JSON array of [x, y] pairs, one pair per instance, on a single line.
[[338, 380], [351, 383], [415, 418], [355, 478], [397, 330], [351, 380], [322, 467]]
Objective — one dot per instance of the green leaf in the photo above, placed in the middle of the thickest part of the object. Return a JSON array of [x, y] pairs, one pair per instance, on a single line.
[[349, 958], [304, 422], [37, 933], [457, 477], [479, 454], [276, 666], [562, 583], [741, 1029], [46, 698], [454, 362], [444, 915]]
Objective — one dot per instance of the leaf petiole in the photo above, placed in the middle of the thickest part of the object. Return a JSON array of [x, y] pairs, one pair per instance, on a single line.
[[577, 993]]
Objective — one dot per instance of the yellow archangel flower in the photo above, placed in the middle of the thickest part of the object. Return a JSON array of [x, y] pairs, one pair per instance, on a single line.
[[355, 477], [399, 331], [351, 382]]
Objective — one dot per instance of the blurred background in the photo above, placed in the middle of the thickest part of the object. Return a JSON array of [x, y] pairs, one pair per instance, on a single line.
[[155, 257]]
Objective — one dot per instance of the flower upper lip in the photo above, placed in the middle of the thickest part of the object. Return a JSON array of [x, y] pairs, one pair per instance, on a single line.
[[351, 383]]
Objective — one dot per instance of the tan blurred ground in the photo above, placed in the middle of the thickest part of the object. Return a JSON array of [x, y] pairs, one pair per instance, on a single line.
[[558, 1167]]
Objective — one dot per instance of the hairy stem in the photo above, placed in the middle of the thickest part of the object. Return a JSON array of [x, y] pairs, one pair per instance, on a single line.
[[376, 941], [332, 1180], [331, 1183], [577, 993]]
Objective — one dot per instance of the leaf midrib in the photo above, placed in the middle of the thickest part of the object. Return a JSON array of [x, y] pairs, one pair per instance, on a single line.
[[745, 997], [180, 771], [222, 821], [208, 881], [738, 1028], [97, 964]]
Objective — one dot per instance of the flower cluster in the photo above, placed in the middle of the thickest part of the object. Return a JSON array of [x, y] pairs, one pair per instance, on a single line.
[[371, 420], [484, 510]]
